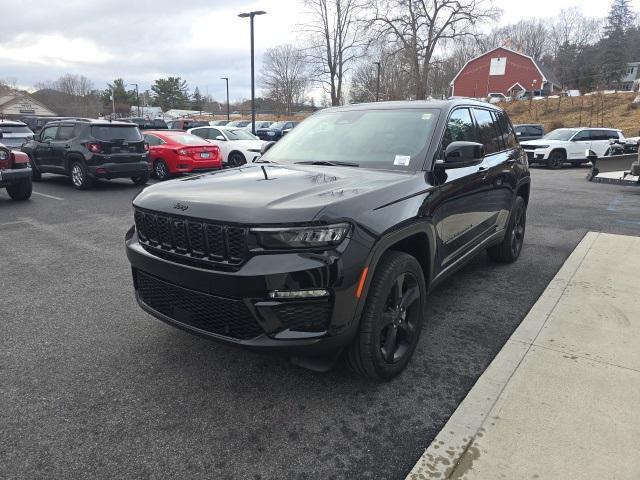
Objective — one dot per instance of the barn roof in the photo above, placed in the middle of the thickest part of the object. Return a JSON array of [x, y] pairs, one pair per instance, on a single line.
[[545, 71]]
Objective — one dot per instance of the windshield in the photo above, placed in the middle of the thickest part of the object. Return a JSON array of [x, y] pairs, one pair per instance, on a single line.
[[385, 139], [110, 133], [560, 134], [278, 124], [239, 134], [15, 129], [187, 139]]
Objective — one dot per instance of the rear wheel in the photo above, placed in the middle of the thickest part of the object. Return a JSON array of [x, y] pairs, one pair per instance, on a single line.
[[79, 176], [141, 180], [556, 160], [392, 318], [236, 159], [509, 249], [160, 170], [20, 191]]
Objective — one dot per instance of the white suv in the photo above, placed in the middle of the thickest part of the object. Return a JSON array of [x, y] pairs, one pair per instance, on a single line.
[[569, 145]]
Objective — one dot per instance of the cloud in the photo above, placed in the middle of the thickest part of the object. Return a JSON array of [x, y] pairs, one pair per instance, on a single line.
[[141, 40]]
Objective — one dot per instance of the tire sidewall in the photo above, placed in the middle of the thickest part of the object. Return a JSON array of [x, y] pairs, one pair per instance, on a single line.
[[371, 323], [85, 179], [236, 159], [166, 169]]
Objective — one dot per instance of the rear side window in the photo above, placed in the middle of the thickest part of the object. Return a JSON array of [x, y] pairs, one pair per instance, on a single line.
[[65, 132], [111, 133], [152, 140], [611, 134], [509, 137], [582, 136], [488, 134], [460, 128]]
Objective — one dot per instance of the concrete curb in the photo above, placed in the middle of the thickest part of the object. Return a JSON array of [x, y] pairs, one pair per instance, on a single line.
[[451, 452]]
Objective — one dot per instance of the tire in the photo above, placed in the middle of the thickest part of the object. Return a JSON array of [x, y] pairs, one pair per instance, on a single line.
[[79, 176], [161, 170], [141, 180], [36, 176], [20, 191], [236, 159], [509, 249], [388, 332], [556, 160]]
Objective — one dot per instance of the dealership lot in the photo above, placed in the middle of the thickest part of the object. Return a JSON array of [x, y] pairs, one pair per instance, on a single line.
[[94, 387]]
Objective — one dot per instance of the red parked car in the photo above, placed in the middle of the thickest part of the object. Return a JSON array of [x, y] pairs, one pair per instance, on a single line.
[[172, 152]]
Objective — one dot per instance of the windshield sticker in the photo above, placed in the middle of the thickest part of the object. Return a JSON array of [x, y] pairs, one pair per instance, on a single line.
[[402, 160], [427, 116]]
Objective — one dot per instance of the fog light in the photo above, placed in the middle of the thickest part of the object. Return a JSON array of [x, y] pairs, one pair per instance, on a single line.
[[299, 294]]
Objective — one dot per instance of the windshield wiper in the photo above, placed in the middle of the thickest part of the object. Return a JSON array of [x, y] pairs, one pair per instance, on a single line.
[[325, 162]]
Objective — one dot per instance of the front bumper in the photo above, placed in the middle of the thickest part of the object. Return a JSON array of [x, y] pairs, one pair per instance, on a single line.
[[12, 177], [235, 307]]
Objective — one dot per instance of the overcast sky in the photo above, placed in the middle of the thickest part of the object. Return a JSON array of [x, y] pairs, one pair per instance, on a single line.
[[141, 40]]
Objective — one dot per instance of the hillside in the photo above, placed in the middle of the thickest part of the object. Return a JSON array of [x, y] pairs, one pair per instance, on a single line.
[[600, 110]]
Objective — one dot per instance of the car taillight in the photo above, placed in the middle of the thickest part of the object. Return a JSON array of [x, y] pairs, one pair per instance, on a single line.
[[94, 147]]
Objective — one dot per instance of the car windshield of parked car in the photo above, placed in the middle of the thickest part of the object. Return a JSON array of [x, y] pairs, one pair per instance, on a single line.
[[239, 134], [278, 124], [187, 139], [384, 139], [15, 129], [560, 134], [110, 133]]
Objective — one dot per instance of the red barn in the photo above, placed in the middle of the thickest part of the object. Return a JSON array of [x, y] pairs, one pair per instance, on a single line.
[[502, 70]]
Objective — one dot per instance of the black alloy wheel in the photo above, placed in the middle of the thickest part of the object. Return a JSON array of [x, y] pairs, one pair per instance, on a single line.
[[556, 160], [79, 177], [236, 159], [509, 249], [391, 320], [160, 170]]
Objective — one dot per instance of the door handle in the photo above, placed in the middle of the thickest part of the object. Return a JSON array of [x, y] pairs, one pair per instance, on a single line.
[[67, 146]]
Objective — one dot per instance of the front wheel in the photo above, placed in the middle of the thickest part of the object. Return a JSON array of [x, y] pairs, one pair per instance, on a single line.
[[20, 191], [236, 159], [556, 160], [509, 249], [392, 318]]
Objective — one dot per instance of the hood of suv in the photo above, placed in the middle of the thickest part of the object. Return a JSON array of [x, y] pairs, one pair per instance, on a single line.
[[268, 193]]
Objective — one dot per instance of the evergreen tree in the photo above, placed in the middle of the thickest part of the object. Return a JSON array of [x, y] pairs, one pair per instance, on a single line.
[[170, 92], [197, 100], [615, 53]]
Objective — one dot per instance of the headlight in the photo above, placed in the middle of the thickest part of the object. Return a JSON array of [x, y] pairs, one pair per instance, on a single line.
[[4, 154], [301, 237]]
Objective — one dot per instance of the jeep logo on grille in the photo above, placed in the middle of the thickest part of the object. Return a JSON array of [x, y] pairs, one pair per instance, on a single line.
[[180, 206]]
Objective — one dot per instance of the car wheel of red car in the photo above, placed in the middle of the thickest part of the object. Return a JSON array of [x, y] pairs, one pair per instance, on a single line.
[[236, 159], [160, 170]]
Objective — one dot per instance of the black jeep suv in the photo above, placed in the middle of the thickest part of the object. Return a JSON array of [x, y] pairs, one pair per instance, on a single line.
[[332, 240], [86, 150]]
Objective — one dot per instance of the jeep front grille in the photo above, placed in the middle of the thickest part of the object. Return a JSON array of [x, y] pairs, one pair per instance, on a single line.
[[192, 241]]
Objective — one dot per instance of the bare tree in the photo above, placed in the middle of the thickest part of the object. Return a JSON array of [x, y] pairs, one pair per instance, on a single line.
[[284, 75], [571, 27], [530, 37], [419, 26], [337, 38]]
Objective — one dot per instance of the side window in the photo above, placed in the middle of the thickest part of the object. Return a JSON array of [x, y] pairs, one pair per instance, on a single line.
[[49, 133], [499, 131], [582, 136], [215, 133], [612, 134], [508, 135], [460, 128], [535, 130], [202, 132], [151, 140], [487, 132], [65, 132]]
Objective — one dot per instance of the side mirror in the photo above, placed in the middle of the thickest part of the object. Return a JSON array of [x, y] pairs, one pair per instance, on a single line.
[[462, 154], [221, 138], [266, 147]]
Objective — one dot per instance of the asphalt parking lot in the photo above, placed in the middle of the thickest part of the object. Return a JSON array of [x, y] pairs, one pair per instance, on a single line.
[[93, 387]]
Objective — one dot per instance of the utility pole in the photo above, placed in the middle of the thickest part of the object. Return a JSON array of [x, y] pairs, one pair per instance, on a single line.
[[228, 113], [251, 15], [137, 98], [377, 82]]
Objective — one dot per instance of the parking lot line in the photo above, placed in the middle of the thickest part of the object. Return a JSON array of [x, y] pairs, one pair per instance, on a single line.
[[48, 196]]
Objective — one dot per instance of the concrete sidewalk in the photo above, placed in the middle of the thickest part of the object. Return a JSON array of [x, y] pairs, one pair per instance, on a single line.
[[561, 400]]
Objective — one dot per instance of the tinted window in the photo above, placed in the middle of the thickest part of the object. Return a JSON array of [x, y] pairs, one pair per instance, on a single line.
[[508, 135], [214, 132], [535, 130], [49, 133], [202, 132], [65, 132], [15, 129], [608, 134], [152, 140], [116, 132], [459, 128], [487, 132], [584, 135]]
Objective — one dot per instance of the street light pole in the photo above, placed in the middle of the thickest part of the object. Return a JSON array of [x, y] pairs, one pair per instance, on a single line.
[[253, 86], [377, 82], [227, 80], [137, 97]]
